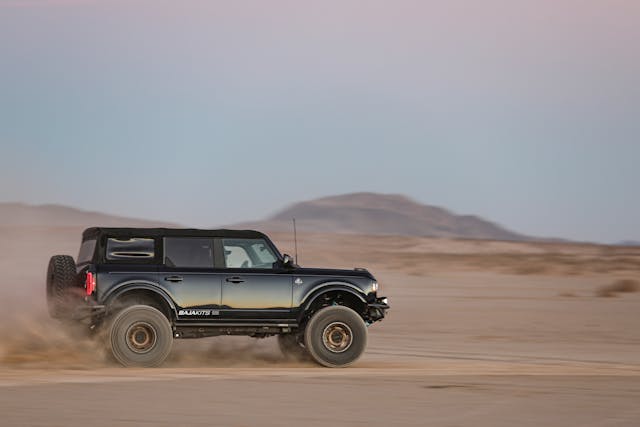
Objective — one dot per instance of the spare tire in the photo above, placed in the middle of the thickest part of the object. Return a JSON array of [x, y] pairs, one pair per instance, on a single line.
[[61, 281]]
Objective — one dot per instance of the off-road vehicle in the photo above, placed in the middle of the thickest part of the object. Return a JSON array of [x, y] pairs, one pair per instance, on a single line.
[[144, 287]]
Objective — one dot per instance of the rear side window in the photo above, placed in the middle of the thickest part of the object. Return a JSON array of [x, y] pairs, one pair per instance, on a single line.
[[189, 252], [135, 248], [87, 248]]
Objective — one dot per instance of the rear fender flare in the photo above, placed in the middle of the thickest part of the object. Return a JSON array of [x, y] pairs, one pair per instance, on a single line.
[[125, 287]]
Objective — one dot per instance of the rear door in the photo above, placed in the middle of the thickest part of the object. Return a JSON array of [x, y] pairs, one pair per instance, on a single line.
[[253, 285], [188, 274]]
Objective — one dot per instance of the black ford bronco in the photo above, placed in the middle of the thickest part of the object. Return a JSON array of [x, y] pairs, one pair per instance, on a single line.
[[143, 287]]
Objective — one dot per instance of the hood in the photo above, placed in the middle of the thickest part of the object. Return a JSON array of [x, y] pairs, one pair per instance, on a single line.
[[356, 272]]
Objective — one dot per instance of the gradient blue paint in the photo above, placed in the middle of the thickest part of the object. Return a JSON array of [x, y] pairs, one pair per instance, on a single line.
[[206, 113]]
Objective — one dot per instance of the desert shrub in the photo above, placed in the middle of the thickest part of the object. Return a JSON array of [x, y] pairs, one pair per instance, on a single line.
[[619, 286], [567, 294]]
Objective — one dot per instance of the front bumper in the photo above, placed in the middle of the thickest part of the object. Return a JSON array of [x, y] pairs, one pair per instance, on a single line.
[[377, 310]]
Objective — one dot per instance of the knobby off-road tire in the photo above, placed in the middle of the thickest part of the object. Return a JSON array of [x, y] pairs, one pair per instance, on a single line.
[[61, 284], [140, 336], [291, 346], [335, 336]]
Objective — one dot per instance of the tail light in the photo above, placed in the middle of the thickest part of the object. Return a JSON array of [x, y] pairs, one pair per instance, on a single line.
[[90, 283]]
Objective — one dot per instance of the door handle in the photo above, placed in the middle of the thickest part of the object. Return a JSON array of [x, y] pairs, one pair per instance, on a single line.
[[173, 279], [234, 279]]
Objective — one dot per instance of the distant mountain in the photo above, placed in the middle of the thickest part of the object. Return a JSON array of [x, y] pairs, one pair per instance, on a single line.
[[629, 243], [366, 213], [372, 213], [21, 214]]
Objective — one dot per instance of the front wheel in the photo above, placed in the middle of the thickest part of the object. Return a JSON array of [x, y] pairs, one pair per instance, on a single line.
[[141, 336], [336, 336]]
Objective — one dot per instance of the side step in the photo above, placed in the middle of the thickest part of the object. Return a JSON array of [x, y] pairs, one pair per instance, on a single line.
[[258, 330]]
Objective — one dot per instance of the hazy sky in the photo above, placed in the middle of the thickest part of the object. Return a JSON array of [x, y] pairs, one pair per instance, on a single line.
[[210, 112]]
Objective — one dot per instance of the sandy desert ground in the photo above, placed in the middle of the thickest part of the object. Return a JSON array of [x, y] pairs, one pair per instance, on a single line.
[[480, 334]]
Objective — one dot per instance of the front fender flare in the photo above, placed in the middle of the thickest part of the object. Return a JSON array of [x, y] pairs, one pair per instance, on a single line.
[[314, 293]]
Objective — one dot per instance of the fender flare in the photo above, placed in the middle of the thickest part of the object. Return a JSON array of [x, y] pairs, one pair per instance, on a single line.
[[311, 296], [136, 285]]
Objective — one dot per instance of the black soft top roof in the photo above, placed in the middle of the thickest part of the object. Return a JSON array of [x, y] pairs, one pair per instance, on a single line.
[[95, 232]]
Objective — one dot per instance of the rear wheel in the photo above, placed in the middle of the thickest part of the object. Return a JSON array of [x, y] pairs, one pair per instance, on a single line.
[[62, 286], [291, 346], [336, 336], [140, 336]]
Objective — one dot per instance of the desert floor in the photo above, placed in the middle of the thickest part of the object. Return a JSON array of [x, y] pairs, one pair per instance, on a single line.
[[478, 343]]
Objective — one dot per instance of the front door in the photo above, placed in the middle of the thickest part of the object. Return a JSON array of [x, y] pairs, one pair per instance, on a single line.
[[189, 276], [253, 287]]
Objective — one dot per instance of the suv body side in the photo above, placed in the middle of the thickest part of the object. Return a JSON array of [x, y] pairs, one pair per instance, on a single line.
[[216, 294]]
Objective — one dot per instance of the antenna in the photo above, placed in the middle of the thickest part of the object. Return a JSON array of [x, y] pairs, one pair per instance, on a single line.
[[295, 240]]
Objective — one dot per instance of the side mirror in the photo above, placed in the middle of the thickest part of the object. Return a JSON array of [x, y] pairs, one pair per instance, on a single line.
[[288, 261]]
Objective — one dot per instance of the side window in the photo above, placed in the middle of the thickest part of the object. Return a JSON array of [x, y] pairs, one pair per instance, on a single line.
[[263, 252], [87, 248], [188, 252], [128, 249], [248, 253], [236, 257]]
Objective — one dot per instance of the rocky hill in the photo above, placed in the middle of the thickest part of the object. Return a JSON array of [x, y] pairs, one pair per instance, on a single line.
[[372, 213]]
